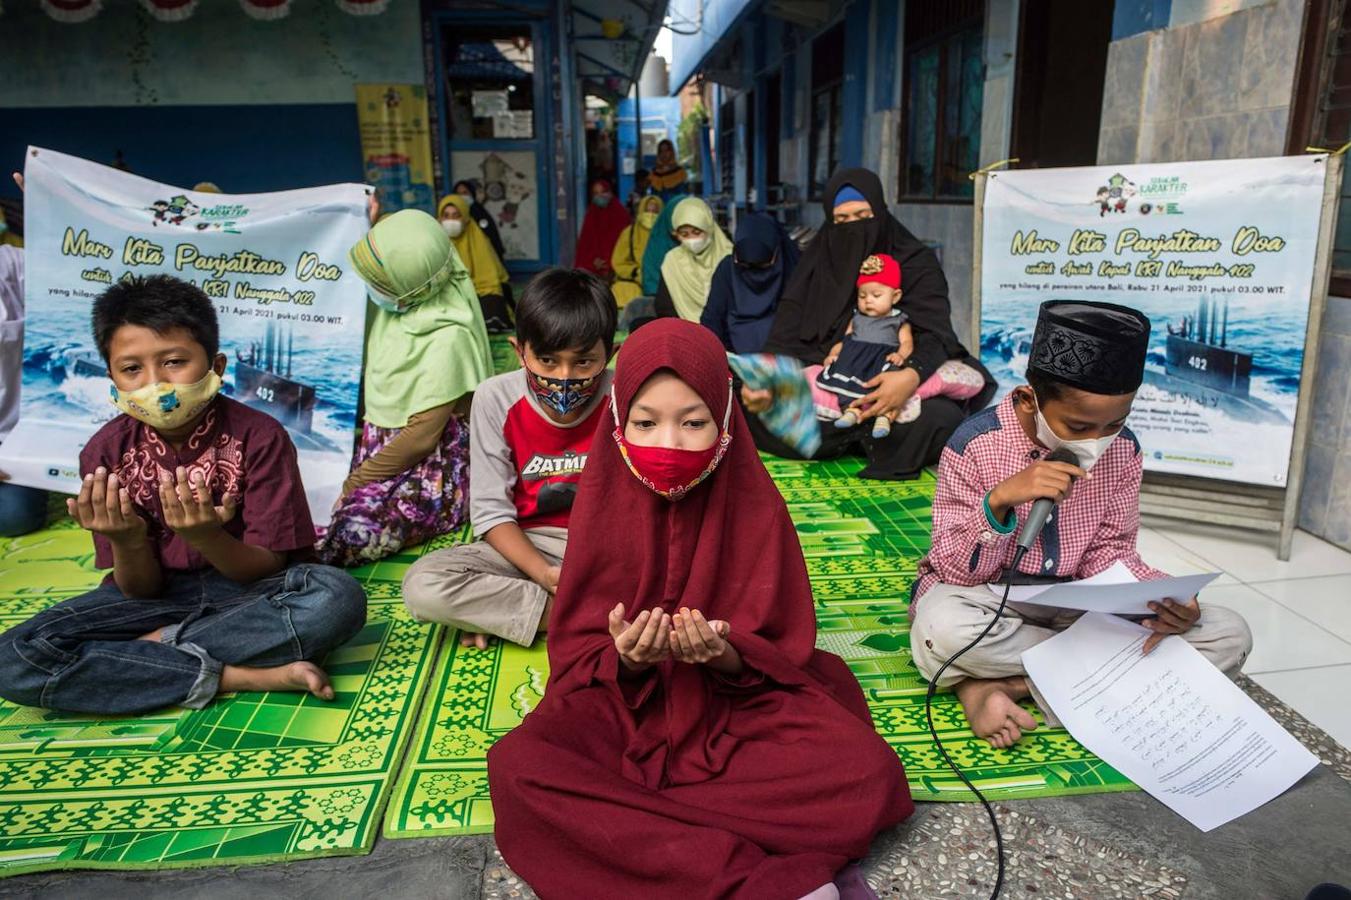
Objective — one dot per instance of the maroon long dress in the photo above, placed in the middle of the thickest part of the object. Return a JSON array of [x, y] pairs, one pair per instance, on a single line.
[[681, 783], [600, 232]]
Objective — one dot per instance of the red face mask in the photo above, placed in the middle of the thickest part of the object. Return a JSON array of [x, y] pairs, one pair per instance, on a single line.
[[668, 471]]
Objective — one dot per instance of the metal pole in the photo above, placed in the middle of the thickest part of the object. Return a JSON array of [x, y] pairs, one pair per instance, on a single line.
[[638, 123], [1318, 298]]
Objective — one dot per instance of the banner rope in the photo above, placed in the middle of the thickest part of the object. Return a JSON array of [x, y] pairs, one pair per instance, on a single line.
[[991, 167]]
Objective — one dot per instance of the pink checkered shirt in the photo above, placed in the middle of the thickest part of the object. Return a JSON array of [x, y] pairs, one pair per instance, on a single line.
[[1094, 527]]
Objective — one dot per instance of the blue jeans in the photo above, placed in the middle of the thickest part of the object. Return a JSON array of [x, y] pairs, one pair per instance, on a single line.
[[82, 655], [22, 509]]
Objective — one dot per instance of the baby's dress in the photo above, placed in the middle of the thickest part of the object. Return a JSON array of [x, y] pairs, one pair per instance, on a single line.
[[864, 354]]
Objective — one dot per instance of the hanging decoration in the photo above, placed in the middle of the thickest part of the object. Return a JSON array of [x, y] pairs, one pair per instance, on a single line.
[[72, 12], [363, 7], [170, 10], [75, 11], [266, 10]]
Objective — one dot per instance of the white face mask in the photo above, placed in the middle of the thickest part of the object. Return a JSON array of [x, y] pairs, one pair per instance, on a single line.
[[453, 227], [1088, 450], [697, 245]]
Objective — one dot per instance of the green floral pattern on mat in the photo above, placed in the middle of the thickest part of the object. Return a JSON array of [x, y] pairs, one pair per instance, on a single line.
[[862, 541], [252, 777]]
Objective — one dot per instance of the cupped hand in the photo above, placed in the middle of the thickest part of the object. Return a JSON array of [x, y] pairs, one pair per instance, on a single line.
[[104, 507], [188, 509], [695, 639], [642, 642]]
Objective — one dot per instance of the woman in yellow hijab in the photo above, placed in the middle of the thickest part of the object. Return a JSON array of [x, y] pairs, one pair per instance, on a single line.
[[476, 252], [627, 259]]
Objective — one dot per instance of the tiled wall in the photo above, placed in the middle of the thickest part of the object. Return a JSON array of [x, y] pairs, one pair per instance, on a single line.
[[1325, 507], [1219, 89], [949, 224]]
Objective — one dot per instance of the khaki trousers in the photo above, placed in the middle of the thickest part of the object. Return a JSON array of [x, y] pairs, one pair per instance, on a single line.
[[948, 617], [472, 587]]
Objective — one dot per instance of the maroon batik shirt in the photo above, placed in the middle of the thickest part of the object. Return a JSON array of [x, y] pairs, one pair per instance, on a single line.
[[240, 451]]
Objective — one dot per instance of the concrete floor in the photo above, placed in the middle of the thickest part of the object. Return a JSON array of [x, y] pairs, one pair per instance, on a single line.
[[1106, 846]]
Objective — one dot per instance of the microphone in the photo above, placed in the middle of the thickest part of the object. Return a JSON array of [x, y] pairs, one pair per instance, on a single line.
[[1041, 509]]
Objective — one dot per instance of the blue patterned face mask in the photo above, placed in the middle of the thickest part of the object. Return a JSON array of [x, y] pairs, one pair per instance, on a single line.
[[563, 395]]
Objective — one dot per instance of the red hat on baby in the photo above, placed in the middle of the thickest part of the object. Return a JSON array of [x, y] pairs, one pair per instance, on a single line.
[[880, 268]]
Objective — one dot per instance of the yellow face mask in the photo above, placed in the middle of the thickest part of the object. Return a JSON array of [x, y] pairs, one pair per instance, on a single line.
[[165, 405], [647, 219]]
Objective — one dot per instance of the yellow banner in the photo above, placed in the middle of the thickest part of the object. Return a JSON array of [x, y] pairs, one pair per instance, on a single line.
[[396, 145]]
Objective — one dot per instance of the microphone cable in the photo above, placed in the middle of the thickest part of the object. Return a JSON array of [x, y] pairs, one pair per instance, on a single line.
[[933, 732]]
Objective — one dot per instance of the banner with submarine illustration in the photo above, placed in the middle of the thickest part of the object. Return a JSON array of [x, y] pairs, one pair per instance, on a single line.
[[1219, 255], [291, 310]]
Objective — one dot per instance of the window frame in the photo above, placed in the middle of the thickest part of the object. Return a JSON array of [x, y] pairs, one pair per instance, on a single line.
[[727, 146], [1325, 21], [831, 87], [945, 39]]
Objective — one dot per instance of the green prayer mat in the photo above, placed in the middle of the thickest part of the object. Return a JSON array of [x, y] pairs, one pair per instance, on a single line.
[[504, 355], [252, 777], [862, 541]]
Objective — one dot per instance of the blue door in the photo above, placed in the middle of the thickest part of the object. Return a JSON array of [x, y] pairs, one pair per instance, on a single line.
[[496, 125]]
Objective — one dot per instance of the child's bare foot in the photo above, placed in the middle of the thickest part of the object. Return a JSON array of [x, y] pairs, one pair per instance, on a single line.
[[991, 706], [296, 676]]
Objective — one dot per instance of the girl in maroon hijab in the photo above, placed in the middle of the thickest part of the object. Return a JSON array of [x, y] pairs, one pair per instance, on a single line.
[[692, 742], [605, 219]]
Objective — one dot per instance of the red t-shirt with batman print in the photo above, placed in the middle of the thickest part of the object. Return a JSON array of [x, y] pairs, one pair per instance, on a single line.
[[524, 466]]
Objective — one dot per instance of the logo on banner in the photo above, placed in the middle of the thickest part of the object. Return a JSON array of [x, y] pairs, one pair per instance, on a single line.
[[1158, 196], [179, 211]]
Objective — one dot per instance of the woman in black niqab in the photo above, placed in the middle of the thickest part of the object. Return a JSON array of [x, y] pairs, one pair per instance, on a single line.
[[816, 308]]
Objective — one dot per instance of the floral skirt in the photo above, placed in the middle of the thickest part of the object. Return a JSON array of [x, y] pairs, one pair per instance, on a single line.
[[380, 519]]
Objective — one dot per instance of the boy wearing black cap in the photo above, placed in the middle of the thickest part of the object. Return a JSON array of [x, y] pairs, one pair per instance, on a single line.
[[1087, 362]]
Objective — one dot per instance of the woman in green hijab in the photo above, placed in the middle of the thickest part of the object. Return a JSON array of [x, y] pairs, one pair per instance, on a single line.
[[426, 352]]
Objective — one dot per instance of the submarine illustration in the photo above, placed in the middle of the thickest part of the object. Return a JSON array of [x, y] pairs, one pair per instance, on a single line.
[[1198, 363], [263, 380]]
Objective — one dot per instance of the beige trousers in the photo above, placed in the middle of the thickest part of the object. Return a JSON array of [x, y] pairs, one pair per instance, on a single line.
[[948, 617], [472, 587]]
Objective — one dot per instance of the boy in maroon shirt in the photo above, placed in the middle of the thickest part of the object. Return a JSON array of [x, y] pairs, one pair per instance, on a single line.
[[196, 503]]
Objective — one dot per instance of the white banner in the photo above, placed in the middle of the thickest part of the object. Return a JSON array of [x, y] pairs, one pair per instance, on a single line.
[[292, 313], [1219, 255]]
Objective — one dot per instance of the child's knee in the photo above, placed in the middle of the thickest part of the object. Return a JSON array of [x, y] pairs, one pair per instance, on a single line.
[[431, 584], [22, 672], [1228, 636], [334, 607], [939, 630]]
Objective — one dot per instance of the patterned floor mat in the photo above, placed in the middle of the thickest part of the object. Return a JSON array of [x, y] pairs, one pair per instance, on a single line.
[[862, 541], [253, 777]]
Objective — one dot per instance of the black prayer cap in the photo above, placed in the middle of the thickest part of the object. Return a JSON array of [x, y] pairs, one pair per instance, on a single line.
[[1095, 347]]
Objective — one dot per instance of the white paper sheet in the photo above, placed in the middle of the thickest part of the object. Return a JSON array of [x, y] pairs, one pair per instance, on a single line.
[[1170, 721], [1112, 591]]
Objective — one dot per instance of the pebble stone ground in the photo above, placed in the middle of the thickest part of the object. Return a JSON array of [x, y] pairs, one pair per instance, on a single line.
[[947, 849], [1110, 846]]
